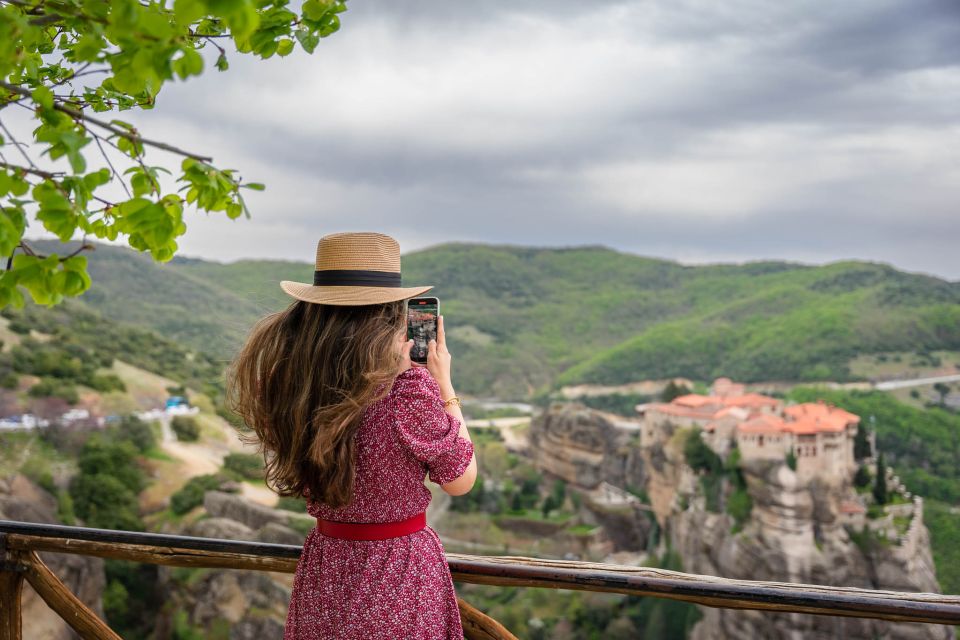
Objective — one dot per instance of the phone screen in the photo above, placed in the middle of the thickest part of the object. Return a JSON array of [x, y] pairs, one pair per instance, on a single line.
[[422, 326]]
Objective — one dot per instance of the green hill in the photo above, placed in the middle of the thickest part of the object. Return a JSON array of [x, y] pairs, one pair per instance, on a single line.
[[522, 319]]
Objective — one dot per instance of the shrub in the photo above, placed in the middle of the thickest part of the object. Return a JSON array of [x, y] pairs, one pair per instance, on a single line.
[[289, 503], [117, 459], [672, 391], [191, 494], [699, 455], [739, 505], [104, 501], [792, 460], [245, 465], [106, 382], [50, 388], [186, 428], [9, 380], [135, 431], [19, 325]]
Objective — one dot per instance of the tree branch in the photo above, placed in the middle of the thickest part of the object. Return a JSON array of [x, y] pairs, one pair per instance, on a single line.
[[37, 172], [133, 137], [19, 147], [27, 249], [103, 152]]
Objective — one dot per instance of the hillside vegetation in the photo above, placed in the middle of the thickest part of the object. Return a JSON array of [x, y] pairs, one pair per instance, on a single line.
[[524, 319], [78, 341]]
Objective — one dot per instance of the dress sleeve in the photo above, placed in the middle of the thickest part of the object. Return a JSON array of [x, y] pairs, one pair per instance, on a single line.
[[430, 434]]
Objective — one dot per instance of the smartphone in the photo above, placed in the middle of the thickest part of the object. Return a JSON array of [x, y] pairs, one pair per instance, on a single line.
[[422, 316]]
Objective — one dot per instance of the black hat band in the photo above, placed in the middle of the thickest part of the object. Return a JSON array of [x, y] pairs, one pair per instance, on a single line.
[[355, 278]]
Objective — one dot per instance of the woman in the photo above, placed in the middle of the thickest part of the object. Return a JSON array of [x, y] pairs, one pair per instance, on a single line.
[[345, 420]]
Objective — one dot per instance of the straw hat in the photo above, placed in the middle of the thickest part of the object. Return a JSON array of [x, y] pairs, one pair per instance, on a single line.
[[354, 269]]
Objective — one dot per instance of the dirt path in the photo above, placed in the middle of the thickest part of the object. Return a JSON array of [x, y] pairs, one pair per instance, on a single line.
[[914, 382], [513, 438], [205, 457]]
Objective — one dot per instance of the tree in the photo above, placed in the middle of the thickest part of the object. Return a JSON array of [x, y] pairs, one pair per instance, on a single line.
[[185, 428], [547, 506], [136, 432], [792, 460], [673, 390], [104, 501], [699, 455], [880, 483], [943, 390], [861, 443], [118, 459], [862, 477], [66, 60], [559, 493]]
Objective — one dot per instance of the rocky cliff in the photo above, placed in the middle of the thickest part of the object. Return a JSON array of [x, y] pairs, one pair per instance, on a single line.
[[240, 605], [23, 500], [597, 453], [793, 532]]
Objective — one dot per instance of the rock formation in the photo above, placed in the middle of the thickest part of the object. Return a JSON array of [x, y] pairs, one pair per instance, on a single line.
[[21, 499], [249, 605], [793, 532]]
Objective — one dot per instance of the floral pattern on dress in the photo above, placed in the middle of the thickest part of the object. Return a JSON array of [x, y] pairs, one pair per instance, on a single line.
[[399, 587]]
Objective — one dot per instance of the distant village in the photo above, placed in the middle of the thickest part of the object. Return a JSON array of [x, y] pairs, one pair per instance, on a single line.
[[81, 417]]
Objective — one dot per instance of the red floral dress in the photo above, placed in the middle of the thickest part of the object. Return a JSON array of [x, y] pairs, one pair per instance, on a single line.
[[399, 587]]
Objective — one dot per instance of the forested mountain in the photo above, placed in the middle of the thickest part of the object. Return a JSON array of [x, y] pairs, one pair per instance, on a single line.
[[523, 319]]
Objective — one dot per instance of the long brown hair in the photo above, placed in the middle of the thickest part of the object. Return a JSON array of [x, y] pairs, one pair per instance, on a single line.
[[301, 383]]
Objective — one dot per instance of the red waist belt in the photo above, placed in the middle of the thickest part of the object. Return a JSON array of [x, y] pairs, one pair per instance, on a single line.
[[371, 530]]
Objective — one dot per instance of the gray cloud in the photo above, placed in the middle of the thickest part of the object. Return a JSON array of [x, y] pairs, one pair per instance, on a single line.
[[691, 130]]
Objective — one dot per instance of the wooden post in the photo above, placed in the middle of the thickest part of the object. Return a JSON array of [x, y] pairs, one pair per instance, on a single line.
[[11, 586], [479, 626], [68, 606]]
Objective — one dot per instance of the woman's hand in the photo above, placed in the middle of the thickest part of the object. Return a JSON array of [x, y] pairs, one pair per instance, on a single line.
[[438, 361], [405, 362]]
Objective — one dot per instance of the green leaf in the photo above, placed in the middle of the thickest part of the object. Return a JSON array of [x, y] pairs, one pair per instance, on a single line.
[[222, 64], [307, 39], [55, 210], [331, 24], [285, 47], [256, 186], [189, 64], [88, 48], [12, 225], [188, 11], [43, 97], [316, 9], [97, 179], [76, 280], [243, 19], [36, 275]]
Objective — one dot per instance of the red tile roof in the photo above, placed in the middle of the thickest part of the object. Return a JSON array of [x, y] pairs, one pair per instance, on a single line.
[[801, 419], [848, 506], [764, 424]]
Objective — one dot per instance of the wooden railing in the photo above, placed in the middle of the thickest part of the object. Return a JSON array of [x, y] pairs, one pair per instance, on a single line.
[[20, 542]]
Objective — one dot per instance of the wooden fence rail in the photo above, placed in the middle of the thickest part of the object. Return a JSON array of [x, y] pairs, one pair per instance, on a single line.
[[20, 542]]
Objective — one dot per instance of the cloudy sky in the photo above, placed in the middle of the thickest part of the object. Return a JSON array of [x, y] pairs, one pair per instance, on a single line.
[[693, 130]]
